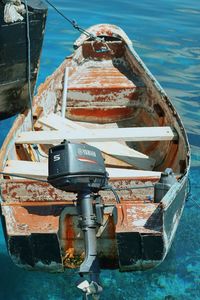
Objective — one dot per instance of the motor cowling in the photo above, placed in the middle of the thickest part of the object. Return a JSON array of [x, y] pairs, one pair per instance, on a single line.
[[76, 168]]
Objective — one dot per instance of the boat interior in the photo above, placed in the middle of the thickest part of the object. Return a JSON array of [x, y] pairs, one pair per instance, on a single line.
[[109, 101]]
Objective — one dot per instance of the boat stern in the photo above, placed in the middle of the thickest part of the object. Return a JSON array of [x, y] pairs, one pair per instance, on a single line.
[[45, 235]]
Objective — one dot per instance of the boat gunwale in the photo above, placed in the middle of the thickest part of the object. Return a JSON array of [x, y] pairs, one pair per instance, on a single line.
[[20, 120]]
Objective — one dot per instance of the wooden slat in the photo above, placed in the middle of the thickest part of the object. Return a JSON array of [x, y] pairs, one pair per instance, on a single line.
[[114, 162], [97, 135], [115, 149], [26, 168], [40, 170], [57, 122]]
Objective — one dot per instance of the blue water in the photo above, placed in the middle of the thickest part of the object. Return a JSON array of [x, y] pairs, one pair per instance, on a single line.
[[166, 34]]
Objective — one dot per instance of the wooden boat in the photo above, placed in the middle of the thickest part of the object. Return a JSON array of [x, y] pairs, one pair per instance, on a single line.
[[14, 91], [104, 96]]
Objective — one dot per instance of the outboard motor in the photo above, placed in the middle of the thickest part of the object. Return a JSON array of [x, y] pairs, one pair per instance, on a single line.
[[167, 179], [80, 168]]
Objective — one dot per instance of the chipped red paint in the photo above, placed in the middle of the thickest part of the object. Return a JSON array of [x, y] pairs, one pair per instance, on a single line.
[[134, 216], [41, 192], [105, 31], [117, 99], [103, 87], [69, 232], [100, 115], [30, 219]]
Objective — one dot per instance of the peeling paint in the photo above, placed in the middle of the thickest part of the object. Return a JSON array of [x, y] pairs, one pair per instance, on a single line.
[[114, 87], [139, 222]]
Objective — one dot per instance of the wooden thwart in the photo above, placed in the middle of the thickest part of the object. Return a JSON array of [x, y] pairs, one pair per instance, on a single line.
[[40, 170], [97, 135], [115, 149], [26, 168]]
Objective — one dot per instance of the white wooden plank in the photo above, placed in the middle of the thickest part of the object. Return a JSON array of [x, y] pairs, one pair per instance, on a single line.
[[114, 148], [26, 168], [39, 169], [97, 135], [56, 122], [124, 173]]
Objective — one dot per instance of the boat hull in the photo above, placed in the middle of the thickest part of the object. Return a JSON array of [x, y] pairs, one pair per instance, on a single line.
[[36, 215], [14, 92], [139, 241]]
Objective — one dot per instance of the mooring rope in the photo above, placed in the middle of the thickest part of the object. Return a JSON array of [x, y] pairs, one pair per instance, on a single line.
[[35, 146], [29, 62], [72, 22]]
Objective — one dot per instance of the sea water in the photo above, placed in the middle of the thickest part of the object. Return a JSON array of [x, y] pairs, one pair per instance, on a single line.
[[166, 34]]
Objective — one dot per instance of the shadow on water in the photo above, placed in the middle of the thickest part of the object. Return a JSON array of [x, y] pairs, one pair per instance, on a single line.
[[20, 284]]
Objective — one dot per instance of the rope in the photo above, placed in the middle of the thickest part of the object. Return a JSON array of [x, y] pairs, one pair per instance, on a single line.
[[72, 22], [35, 147], [29, 62], [134, 187], [112, 189], [109, 187]]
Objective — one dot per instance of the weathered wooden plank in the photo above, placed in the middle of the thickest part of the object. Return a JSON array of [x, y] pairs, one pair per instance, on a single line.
[[115, 149], [111, 161], [97, 135], [26, 168], [57, 122], [15, 192], [40, 169]]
